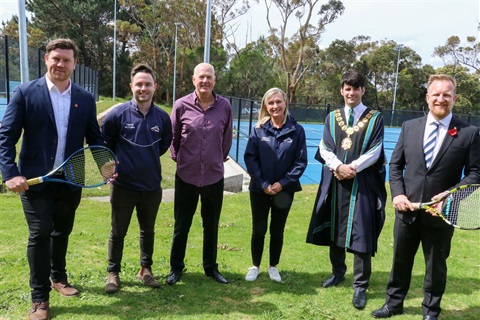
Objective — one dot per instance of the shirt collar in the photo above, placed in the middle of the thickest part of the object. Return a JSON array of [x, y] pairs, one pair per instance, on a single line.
[[51, 86], [357, 111], [136, 108], [445, 122], [196, 98]]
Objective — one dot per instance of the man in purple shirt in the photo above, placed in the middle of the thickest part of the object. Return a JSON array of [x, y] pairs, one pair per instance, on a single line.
[[202, 137]]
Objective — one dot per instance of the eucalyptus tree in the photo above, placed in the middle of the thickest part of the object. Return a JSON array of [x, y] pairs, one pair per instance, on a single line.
[[155, 44], [295, 54], [251, 71], [84, 21], [380, 65], [322, 81], [468, 89], [226, 12], [87, 22], [454, 54]]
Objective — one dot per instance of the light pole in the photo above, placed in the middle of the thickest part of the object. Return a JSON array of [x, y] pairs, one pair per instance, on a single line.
[[22, 36], [177, 24], [208, 22], [398, 48], [114, 71]]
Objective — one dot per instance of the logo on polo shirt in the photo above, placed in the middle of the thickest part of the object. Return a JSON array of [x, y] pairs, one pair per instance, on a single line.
[[288, 140], [129, 126], [265, 139], [155, 129]]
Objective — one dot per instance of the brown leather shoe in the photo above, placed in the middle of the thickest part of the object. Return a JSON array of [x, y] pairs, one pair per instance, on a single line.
[[65, 289], [145, 275], [40, 311], [113, 282]]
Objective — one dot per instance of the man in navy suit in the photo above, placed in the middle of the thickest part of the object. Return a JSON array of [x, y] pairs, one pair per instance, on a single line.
[[419, 173], [55, 116]]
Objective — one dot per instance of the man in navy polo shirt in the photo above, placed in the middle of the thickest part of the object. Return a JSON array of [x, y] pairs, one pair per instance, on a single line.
[[139, 132]]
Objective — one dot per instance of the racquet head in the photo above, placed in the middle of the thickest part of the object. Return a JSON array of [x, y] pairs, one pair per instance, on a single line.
[[90, 167], [461, 207]]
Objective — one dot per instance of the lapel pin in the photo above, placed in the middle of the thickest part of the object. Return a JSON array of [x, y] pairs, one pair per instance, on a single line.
[[453, 132]]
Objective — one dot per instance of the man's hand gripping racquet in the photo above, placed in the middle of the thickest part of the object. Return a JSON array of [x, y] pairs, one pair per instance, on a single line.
[[88, 167], [459, 207]]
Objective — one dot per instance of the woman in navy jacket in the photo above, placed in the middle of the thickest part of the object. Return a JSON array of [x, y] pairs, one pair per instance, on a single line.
[[276, 157]]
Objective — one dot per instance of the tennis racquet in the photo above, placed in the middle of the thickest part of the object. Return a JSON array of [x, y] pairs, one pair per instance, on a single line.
[[88, 167], [459, 207]]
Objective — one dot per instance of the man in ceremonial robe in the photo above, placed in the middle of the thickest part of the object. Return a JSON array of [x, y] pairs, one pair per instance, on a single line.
[[349, 209]]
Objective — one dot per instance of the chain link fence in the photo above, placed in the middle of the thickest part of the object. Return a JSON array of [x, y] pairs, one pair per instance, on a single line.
[[245, 116], [10, 74]]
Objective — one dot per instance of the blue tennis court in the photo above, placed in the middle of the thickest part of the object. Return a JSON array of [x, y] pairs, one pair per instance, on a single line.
[[3, 107], [314, 133]]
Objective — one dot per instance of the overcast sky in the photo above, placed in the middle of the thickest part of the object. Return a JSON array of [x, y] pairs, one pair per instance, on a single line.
[[419, 24]]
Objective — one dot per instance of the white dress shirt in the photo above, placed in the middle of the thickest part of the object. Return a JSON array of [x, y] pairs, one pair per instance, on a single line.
[[61, 109], [443, 125], [365, 160]]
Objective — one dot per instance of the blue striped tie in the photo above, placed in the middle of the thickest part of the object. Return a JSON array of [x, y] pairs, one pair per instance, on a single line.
[[429, 145]]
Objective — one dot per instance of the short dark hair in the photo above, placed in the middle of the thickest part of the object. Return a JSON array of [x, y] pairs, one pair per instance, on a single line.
[[353, 78], [66, 44], [145, 68]]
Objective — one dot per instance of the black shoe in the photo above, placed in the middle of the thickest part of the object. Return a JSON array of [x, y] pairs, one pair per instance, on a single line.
[[333, 281], [359, 299], [427, 317], [386, 312], [215, 274], [173, 277]]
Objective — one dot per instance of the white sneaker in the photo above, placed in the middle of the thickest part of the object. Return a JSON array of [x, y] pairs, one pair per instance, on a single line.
[[252, 274], [274, 275]]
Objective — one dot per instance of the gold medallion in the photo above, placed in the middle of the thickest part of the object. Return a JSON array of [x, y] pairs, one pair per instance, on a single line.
[[346, 143]]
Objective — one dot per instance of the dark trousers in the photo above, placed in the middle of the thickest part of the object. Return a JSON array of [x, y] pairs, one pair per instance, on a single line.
[[362, 266], [436, 244], [123, 202], [185, 205], [261, 205], [50, 214]]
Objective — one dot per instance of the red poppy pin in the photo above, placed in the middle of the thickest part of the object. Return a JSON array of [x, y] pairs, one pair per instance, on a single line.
[[453, 132], [75, 105]]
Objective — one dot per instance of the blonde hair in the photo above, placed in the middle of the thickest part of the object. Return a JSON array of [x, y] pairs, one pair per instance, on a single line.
[[263, 115], [441, 77]]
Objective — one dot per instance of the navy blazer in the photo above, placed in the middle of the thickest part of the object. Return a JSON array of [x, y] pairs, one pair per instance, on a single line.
[[458, 155], [30, 109]]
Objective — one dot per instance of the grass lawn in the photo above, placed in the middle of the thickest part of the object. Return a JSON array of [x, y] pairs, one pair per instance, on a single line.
[[303, 268]]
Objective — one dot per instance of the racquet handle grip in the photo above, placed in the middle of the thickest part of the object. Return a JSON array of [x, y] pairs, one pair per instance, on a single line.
[[34, 181], [417, 205]]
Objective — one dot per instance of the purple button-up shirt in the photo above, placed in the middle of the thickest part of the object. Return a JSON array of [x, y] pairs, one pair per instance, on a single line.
[[201, 139]]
